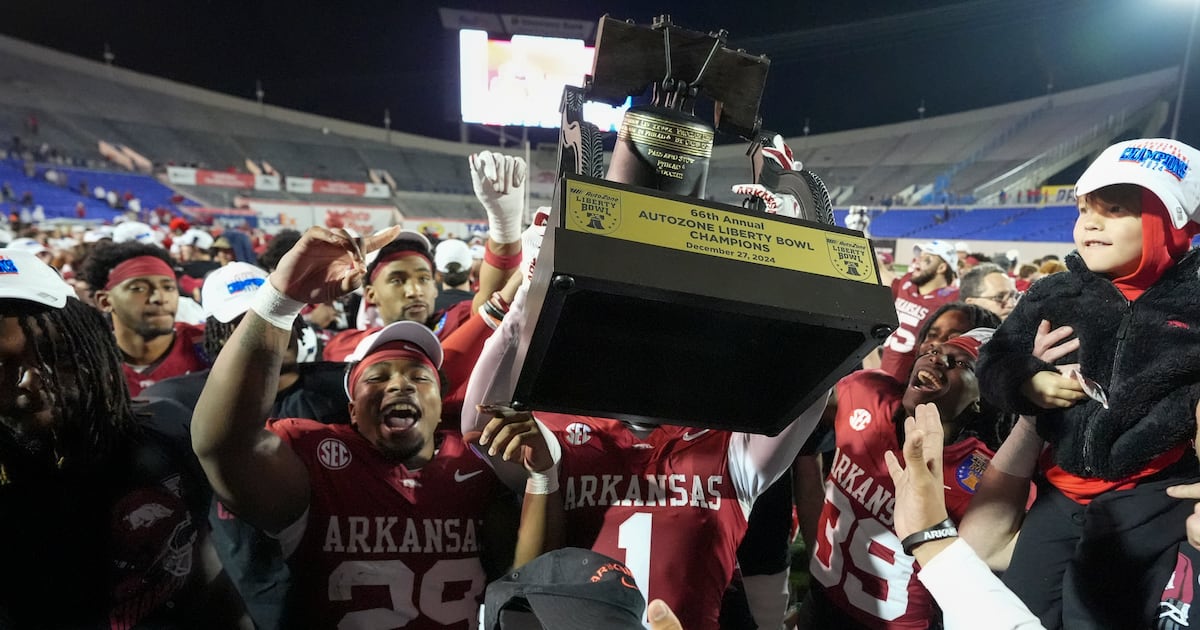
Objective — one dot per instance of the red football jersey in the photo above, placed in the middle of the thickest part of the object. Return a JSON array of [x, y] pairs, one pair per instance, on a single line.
[[185, 356], [384, 546], [857, 557], [666, 506], [912, 309], [346, 341]]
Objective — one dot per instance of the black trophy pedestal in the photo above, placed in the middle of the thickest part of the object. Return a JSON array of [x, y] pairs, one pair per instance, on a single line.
[[688, 330]]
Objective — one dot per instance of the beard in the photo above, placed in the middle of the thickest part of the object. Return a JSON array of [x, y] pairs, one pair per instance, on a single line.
[[923, 276], [24, 439], [148, 331]]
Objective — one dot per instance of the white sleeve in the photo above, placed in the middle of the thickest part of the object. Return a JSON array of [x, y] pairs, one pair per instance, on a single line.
[[492, 379], [289, 537], [970, 595], [757, 461]]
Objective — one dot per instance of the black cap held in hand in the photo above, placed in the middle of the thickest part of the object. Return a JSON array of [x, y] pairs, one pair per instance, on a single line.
[[569, 589]]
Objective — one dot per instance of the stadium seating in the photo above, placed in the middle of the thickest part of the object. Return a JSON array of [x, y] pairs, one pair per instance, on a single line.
[[80, 103]]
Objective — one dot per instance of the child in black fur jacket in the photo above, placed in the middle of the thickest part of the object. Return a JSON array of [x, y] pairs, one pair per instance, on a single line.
[[1099, 545]]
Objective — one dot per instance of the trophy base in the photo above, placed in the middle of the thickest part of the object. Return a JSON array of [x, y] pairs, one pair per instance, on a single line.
[[622, 329]]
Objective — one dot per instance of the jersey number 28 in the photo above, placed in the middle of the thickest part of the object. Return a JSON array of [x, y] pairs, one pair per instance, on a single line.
[[402, 584]]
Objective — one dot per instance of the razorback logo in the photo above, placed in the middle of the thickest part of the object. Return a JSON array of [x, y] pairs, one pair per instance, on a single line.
[[626, 574]]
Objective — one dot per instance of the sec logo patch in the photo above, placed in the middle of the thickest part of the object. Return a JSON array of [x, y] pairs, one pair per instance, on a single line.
[[578, 434], [859, 419], [333, 454]]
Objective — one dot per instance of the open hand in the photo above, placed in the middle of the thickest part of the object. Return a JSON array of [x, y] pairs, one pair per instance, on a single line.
[[1052, 345], [920, 493]]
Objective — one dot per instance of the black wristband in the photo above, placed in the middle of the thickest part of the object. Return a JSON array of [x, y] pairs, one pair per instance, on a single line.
[[945, 529]]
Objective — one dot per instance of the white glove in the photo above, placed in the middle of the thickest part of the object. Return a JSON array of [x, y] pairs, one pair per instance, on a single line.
[[780, 153], [499, 182]]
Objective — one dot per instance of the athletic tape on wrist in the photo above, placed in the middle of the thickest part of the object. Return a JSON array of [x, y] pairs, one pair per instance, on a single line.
[[275, 307], [545, 482]]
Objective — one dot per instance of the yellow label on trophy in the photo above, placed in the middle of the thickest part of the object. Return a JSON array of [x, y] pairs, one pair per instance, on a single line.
[[631, 216]]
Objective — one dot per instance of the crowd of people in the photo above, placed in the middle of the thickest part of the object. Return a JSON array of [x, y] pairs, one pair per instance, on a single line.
[[212, 429]]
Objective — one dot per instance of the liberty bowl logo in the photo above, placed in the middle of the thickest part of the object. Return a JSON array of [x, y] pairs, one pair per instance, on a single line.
[[598, 212]]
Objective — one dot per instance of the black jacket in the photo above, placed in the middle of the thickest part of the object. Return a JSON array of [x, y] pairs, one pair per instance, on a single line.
[[1145, 354]]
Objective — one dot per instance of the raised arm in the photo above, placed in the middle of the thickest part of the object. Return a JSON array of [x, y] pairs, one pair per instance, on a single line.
[[969, 594], [499, 182], [756, 461], [492, 379], [993, 519], [251, 469], [994, 515]]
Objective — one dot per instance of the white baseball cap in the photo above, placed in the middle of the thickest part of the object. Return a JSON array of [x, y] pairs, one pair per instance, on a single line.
[[416, 334], [6, 237], [31, 245], [24, 277], [942, 249], [962, 246], [404, 235], [452, 251], [229, 291], [196, 238], [1162, 166], [134, 231]]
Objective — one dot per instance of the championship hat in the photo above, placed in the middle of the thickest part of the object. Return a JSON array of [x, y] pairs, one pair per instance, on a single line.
[[1162, 166], [229, 291], [134, 231], [31, 245], [942, 249], [24, 277]]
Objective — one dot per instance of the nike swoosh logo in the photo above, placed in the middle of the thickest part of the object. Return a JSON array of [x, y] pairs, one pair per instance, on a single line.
[[688, 437], [460, 477]]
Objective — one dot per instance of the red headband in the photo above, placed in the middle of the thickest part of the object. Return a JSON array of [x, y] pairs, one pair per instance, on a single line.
[[388, 352], [379, 264], [138, 267], [970, 345]]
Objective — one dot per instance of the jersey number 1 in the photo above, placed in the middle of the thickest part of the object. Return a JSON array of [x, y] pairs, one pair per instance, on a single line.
[[634, 537]]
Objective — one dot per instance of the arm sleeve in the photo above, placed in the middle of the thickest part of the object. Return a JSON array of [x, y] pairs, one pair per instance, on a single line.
[[462, 348], [756, 461], [1006, 362], [492, 378], [970, 595]]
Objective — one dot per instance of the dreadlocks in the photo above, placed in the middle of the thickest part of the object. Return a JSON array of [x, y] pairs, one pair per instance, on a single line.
[[216, 333], [977, 317], [80, 366], [984, 421]]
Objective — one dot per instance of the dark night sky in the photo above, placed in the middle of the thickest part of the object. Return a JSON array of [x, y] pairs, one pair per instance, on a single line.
[[840, 63]]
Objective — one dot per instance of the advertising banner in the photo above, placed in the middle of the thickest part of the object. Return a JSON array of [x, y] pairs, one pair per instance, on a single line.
[[224, 180]]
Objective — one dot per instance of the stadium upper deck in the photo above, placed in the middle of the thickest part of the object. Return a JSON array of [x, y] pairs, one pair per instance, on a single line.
[[953, 158]]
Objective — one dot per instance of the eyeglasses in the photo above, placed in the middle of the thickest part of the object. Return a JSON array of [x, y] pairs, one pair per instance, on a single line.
[[1003, 298], [945, 360]]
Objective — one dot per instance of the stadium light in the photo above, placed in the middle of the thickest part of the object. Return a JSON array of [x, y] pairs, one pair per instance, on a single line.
[[1183, 71]]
